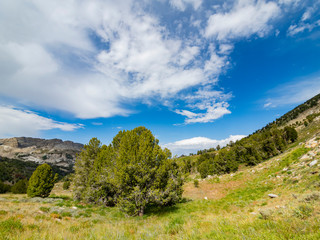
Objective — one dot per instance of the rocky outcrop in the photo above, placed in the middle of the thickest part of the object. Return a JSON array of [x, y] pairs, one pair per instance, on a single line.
[[53, 151]]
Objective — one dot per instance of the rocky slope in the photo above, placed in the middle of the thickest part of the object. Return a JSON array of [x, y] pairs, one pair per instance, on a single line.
[[53, 151]]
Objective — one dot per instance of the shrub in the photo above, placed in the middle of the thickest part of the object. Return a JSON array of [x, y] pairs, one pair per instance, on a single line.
[[4, 187], [41, 181], [303, 211], [196, 183], [66, 185], [44, 209], [20, 187]]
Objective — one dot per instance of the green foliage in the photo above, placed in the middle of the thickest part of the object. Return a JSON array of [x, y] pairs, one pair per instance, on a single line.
[[10, 226], [132, 173], [66, 185], [4, 187], [45, 209], [196, 183], [41, 182], [20, 187], [12, 170], [251, 151], [303, 211], [291, 135]]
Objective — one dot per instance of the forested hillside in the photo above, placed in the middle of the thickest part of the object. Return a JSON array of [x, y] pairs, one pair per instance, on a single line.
[[263, 144], [12, 170]]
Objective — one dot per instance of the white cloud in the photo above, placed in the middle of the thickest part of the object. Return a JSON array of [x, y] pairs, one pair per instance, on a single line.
[[207, 104], [212, 113], [49, 56], [243, 20], [15, 122], [50, 61], [293, 93], [182, 4], [301, 27], [192, 145], [307, 22]]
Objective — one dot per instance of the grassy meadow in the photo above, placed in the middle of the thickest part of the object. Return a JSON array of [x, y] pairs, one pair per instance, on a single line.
[[231, 206]]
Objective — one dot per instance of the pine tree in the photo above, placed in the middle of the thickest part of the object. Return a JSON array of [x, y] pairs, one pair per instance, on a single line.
[[20, 187], [41, 182], [131, 173]]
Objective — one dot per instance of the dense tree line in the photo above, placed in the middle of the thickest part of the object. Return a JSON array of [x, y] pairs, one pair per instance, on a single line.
[[13, 170], [250, 151], [133, 172]]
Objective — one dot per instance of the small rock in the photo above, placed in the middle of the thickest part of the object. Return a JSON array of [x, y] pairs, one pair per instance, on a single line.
[[312, 154], [205, 198], [253, 213], [74, 207], [271, 195], [305, 157], [278, 176], [285, 169], [314, 162]]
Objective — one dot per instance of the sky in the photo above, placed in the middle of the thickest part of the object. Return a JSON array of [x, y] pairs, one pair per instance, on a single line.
[[196, 73]]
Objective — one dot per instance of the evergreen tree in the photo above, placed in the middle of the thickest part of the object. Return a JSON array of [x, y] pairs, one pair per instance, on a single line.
[[20, 187], [84, 167], [131, 173], [4, 187], [41, 182]]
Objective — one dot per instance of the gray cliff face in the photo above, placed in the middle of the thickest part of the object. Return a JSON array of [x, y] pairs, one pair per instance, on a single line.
[[53, 151]]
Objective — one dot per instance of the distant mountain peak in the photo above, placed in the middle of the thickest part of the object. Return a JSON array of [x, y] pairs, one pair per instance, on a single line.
[[53, 151]]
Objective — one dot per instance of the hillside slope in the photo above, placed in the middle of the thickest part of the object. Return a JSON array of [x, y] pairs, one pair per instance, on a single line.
[[277, 199]]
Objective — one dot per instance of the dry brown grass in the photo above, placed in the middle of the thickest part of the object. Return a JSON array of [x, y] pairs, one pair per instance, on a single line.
[[212, 191]]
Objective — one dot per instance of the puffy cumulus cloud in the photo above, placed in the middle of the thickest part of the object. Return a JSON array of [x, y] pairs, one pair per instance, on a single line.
[[192, 145], [15, 122], [245, 18], [293, 93]]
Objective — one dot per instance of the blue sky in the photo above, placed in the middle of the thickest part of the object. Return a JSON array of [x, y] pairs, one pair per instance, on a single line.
[[197, 73]]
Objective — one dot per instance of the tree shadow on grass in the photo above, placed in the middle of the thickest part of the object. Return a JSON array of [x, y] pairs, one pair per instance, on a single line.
[[161, 211]]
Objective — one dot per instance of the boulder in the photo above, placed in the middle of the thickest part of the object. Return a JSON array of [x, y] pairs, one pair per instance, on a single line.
[[314, 162], [271, 195]]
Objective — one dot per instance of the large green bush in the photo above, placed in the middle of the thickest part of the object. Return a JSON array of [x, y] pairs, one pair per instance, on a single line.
[[132, 173], [41, 181], [20, 186], [4, 187]]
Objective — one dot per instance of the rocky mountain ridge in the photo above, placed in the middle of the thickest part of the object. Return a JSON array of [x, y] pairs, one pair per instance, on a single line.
[[52, 151]]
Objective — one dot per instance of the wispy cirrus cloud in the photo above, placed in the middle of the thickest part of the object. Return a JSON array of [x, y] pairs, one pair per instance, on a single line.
[[293, 93], [16, 122]]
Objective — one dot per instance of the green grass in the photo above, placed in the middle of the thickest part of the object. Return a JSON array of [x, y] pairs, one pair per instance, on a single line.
[[243, 212]]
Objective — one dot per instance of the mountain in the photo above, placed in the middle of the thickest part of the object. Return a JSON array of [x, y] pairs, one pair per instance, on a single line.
[[54, 151]]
